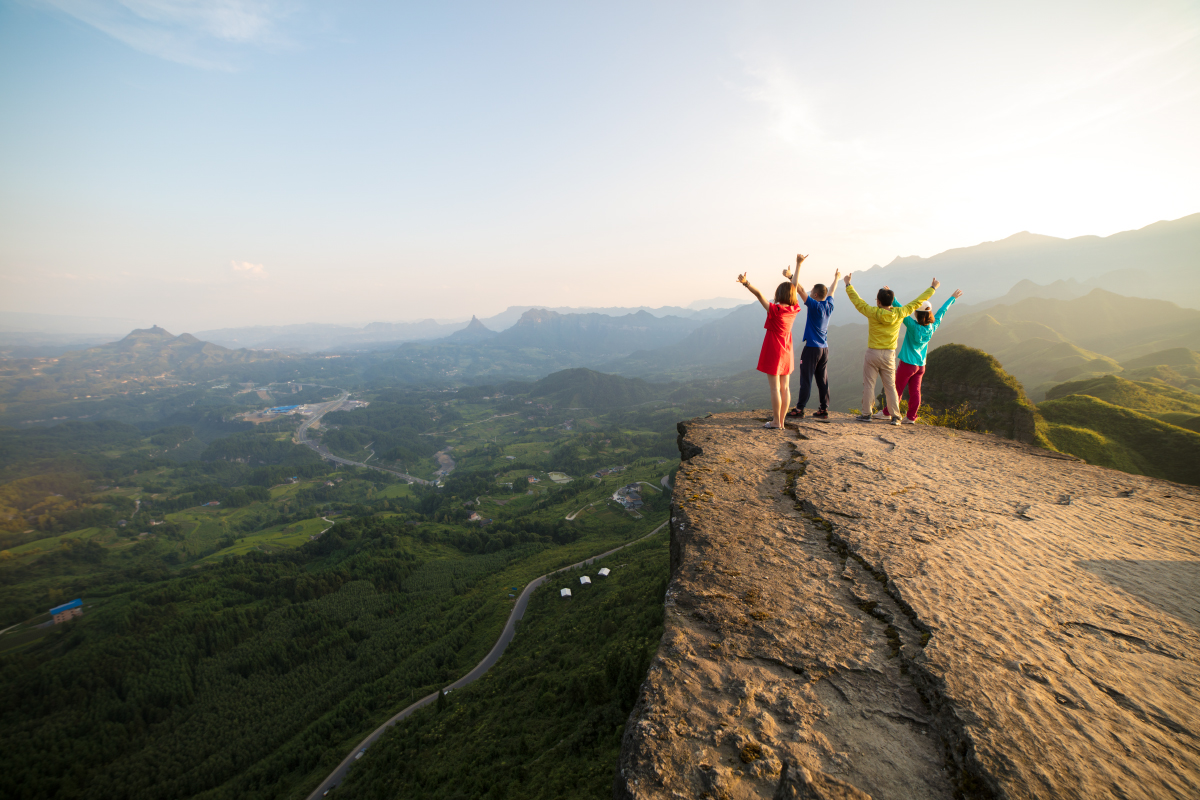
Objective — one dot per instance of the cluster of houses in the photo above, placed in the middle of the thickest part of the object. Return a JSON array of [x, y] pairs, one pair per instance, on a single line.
[[609, 471], [584, 580], [629, 496]]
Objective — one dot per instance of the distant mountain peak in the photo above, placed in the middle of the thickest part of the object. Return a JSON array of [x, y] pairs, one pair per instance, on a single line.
[[145, 333], [535, 315], [474, 330]]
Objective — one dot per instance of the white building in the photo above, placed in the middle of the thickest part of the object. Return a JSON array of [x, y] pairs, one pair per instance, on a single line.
[[565, 593], [604, 572], [585, 580]]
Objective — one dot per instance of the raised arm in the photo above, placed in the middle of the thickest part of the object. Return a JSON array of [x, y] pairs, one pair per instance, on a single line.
[[742, 280], [833, 286], [921, 298], [908, 321], [858, 302], [794, 275], [937, 318]]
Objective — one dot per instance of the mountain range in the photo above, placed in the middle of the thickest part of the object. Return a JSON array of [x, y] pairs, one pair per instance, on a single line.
[[1159, 261], [1040, 341]]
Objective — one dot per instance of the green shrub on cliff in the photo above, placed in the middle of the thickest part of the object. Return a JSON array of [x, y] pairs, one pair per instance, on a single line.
[[1122, 438], [956, 374]]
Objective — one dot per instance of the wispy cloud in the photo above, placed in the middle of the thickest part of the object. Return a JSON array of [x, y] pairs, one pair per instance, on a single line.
[[199, 33], [248, 270]]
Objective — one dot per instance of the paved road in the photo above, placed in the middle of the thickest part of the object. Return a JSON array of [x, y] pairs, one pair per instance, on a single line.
[[334, 405], [506, 636]]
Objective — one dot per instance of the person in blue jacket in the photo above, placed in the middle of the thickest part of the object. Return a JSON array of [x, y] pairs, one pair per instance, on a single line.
[[814, 359], [918, 330]]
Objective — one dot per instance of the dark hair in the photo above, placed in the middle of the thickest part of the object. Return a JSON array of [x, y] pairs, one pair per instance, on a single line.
[[819, 291], [885, 297], [785, 294], [923, 317]]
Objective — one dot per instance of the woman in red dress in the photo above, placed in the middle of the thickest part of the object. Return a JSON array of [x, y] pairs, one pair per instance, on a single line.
[[776, 358]]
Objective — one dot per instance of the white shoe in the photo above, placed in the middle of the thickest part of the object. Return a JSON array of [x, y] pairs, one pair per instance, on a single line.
[[881, 415], [908, 421]]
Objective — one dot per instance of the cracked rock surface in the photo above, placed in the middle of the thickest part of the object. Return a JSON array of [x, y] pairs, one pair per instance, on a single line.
[[859, 610]]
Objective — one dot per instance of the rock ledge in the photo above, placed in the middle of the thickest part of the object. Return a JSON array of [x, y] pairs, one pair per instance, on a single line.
[[858, 610]]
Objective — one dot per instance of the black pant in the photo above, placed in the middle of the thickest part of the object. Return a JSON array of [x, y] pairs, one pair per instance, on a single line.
[[814, 363]]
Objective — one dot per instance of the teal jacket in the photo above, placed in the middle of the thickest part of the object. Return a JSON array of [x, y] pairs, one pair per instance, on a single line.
[[917, 336]]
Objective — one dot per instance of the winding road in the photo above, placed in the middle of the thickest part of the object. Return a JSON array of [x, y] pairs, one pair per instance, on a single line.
[[322, 410], [506, 636]]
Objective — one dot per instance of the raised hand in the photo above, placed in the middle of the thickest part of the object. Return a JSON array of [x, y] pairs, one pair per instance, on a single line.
[[847, 278], [936, 283], [742, 279], [957, 294], [800, 259], [787, 273]]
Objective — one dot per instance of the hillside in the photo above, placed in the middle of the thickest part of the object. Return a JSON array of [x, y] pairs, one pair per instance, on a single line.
[[1157, 261], [1153, 398], [1110, 435], [585, 388], [1179, 367], [547, 719], [152, 351], [958, 374], [593, 336]]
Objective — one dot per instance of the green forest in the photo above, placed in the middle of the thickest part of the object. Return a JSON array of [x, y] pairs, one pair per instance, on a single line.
[[546, 722], [252, 610]]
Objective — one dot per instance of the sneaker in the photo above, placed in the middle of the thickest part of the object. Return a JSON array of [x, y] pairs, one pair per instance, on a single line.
[[882, 415], [822, 414], [796, 413], [896, 421], [908, 421], [863, 418]]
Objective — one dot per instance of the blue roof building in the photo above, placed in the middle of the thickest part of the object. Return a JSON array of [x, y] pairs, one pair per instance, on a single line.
[[76, 603], [67, 611]]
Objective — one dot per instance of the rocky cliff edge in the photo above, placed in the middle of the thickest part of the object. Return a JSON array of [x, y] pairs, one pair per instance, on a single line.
[[858, 610]]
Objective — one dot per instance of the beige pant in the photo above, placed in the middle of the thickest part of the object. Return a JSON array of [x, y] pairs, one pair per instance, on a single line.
[[880, 363]]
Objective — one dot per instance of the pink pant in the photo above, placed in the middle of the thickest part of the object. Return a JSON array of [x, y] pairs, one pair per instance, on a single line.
[[908, 375]]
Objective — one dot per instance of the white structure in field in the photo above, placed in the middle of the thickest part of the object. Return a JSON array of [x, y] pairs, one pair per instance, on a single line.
[[604, 572], [585, 580], [565, 593]]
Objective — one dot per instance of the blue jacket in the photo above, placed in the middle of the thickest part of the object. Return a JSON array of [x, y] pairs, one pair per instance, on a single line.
[[917, 336]]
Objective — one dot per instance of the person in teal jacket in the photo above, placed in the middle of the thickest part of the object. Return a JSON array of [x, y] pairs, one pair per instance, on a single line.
[[918, 330]]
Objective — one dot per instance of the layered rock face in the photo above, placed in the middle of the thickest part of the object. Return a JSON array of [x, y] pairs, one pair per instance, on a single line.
[[859, 610]]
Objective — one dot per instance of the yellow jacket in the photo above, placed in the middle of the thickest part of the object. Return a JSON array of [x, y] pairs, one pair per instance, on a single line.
[[884, 323]]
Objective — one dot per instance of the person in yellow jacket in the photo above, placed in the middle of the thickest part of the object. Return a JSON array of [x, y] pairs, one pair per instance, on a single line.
[[883, 334]]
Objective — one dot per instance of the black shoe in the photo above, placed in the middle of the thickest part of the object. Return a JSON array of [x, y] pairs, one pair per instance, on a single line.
[[796, 413], [822, 414]]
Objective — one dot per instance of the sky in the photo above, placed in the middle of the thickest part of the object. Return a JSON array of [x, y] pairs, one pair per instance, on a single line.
[[255, 162]]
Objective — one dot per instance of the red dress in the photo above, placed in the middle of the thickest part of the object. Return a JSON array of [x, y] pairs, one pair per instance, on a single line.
[[776, 357]]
